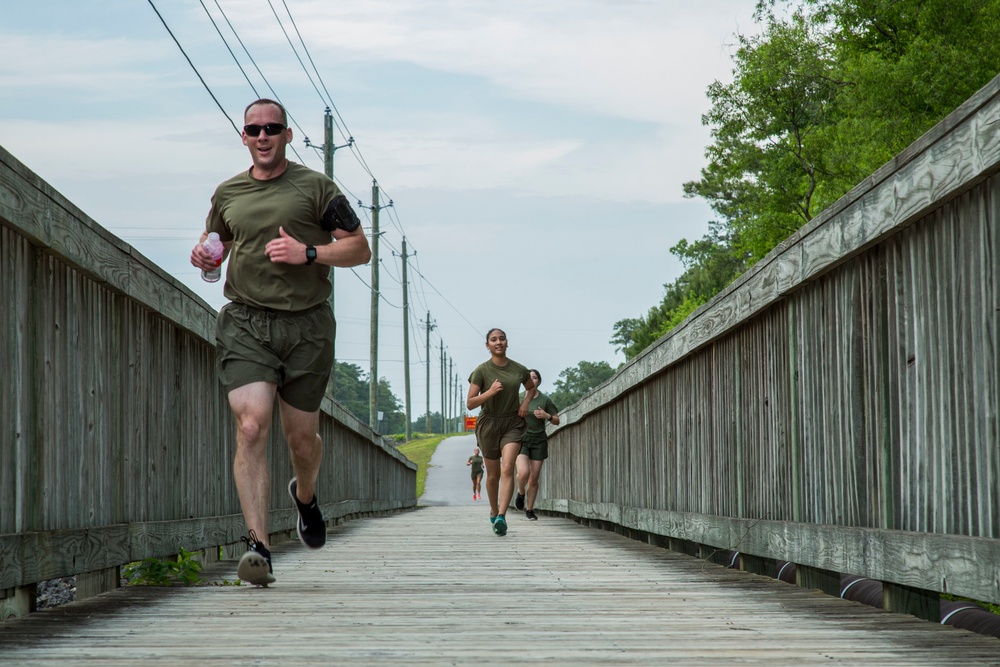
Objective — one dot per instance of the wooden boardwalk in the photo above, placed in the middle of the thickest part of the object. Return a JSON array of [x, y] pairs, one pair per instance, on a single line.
[[435, 587]]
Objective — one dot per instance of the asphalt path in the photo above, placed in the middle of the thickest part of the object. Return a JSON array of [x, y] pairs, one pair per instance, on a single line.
[[449, 480]]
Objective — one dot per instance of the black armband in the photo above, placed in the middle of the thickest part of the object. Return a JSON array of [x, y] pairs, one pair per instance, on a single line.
[[340, 215]]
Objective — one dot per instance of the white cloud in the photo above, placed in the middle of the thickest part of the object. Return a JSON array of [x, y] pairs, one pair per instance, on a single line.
[[551, 132]]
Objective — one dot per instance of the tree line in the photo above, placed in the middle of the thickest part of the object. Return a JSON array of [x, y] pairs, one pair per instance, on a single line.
[[824, 93], [352, 392]]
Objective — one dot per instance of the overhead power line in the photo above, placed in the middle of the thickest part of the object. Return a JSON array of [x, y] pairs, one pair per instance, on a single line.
[[341, 124], [195, 69]]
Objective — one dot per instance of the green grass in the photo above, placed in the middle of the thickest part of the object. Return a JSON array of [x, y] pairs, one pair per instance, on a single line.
[[420, 452]]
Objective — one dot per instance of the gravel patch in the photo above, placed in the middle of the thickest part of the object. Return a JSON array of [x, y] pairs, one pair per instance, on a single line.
[[55, 592]]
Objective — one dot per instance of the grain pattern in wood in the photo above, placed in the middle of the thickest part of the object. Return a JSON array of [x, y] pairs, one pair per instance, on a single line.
[[435, 586]]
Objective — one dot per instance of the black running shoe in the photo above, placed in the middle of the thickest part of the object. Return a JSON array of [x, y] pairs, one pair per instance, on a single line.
[[255, 566], [530, 515], [310, 526], [519, 501]]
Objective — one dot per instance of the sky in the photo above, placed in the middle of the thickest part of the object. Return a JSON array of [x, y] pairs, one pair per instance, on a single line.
[[534, 153]]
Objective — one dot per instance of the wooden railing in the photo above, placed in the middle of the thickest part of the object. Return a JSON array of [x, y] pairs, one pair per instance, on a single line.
[[837, 406], [116, 439]]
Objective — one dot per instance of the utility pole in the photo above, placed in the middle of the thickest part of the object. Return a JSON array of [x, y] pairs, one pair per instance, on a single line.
[[427, 355], [406, 347], [328, 150], [373, 377], [444, 384], [459, 412], [451, 388]]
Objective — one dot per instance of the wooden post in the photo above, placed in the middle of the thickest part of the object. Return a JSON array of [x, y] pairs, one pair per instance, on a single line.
[[17, 602], [814, 577], [915, 601], [94, 583]]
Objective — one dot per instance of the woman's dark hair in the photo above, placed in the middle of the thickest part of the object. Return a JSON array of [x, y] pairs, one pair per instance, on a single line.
[[495, 329], [532, 370]]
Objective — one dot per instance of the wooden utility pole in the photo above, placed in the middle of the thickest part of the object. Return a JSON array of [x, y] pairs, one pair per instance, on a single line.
[[373, 378], [406, 348], [444, 383], [328, 150], [427, 355], [462, 410], [459, 412]]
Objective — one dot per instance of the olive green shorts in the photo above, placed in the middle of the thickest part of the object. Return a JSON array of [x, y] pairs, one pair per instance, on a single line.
[[492, 433], [535, 446], [291, 350]]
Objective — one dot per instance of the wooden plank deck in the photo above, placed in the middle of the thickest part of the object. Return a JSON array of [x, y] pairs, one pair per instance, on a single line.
[[434, 586]]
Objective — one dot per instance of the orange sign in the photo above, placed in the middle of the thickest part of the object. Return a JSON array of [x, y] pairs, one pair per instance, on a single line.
[[470, 423]]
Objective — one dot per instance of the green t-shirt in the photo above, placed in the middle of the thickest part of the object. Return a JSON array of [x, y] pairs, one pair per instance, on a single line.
[[533, 423], [511, 376], [248, 212], [477, 464]]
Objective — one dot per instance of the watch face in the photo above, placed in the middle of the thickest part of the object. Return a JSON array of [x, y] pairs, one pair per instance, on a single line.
[[310, 254]]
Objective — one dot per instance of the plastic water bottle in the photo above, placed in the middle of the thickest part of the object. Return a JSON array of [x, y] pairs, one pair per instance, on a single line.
[[213, 246]]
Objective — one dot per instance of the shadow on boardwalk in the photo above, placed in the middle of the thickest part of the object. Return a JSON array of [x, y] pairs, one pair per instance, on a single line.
[[434, 586]]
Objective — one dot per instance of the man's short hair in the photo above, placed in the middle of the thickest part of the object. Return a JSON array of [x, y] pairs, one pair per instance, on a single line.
[[266, 100]]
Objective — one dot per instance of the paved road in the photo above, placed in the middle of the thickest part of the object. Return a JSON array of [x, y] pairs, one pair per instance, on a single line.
[[449, 480]]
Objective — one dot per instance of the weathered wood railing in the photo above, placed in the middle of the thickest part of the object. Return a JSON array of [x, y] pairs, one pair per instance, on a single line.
[[836, 406], [116, 440]]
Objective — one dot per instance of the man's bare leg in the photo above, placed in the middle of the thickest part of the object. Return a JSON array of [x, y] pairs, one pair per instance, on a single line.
[[305, 447], [252, 406]]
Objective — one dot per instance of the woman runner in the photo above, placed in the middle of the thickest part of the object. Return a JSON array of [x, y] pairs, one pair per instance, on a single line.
[[494, 386]]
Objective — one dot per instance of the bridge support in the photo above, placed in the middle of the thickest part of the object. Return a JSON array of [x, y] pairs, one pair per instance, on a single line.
[[766, 567], [94, 583], [814, 577], [17, 602], [914, 601]]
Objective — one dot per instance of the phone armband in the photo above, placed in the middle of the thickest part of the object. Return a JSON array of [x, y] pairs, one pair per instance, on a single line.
[[340, 215]]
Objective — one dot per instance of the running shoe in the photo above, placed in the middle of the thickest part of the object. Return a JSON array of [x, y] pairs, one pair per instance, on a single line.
[[530, 515], [310, 526], [255, 565], [519, 501], [500, 525]]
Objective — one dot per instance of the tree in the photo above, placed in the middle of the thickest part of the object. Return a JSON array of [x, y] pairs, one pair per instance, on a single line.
[[573, 383], [819, 100], [768, 162], [419, 424], [909, 64], [351, 391], [711, 264]]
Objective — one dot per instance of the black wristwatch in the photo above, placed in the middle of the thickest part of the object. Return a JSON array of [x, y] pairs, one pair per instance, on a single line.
[[310, 254]]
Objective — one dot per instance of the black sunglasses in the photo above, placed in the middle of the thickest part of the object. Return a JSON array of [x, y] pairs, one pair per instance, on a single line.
[[270, 129]]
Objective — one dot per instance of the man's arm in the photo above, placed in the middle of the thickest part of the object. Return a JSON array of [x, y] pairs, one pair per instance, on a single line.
[[347, 249]]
